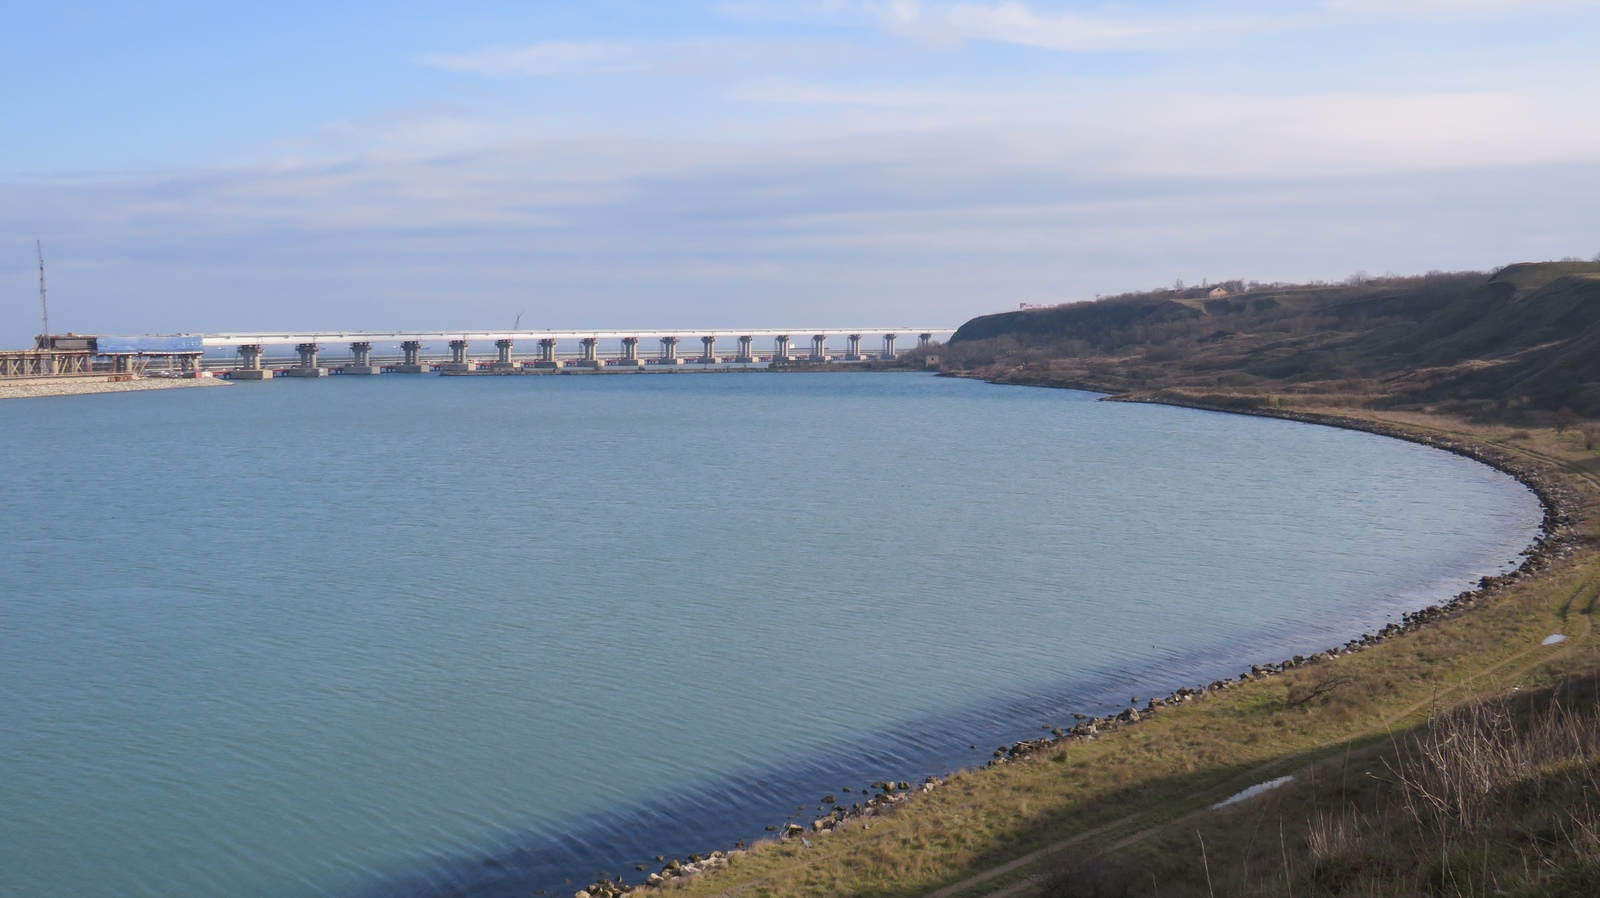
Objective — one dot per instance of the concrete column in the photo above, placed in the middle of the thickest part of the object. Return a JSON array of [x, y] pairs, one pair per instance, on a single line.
[[591, 353], [746, 353], [888, 346], [308, 362], [361, 360], [630, 353], [413, 363], [709, 356], [669, 351], [819, 348], [502, 361], [458, 358], [547, 354], [780, 351], [924, 340], [853, 353], [250, 364]]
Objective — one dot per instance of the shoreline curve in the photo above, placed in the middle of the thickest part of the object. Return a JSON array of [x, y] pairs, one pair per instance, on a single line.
[[1554, 539]]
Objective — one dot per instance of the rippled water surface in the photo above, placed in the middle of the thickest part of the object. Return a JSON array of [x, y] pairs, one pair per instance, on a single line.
[[402, 635]]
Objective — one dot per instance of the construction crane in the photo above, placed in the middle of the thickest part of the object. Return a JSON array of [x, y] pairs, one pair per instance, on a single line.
[[44, 302]]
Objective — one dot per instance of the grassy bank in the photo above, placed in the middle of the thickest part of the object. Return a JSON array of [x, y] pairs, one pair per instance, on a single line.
[[1129, 811]]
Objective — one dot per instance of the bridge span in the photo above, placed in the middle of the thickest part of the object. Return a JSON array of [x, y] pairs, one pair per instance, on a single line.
[[405, 352]]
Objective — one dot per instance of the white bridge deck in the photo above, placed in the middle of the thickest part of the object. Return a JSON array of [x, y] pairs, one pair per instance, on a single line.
[[240, 339]]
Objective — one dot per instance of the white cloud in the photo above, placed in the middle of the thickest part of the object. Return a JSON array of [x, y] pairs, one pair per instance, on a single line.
[[908, 226], [1428, 7], [1012, 22], [554, 58], [697, 57]]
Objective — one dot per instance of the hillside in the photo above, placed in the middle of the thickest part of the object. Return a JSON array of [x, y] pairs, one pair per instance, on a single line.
[[1519, 344]]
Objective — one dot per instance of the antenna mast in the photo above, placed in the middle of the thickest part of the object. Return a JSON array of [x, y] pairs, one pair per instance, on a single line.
[[44, 302]]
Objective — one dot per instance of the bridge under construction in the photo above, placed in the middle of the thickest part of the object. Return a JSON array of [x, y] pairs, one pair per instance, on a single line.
[[263, 355]]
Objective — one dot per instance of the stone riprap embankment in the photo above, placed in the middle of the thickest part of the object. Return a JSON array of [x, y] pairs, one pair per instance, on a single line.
[[39, 389]]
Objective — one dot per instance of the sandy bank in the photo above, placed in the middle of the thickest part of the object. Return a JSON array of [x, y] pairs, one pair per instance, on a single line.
[[82, 387]]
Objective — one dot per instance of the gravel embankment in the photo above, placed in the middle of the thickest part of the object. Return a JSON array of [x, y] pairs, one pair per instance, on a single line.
[[81, 387]]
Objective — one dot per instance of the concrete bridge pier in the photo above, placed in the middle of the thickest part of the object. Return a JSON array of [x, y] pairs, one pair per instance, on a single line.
[[591, 353], [746, 353], [250, 364], [547, 354], [308, 366], [819, 348], [780, 350], [924, 340], [630, 353], [458, 358], [669, 351], [709, 355], [888, 346], [361, 360], [502, 360], [853, 352], [413, 358]]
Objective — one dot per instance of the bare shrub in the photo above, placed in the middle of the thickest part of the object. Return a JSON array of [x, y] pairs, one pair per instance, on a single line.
[[1460, 766], [1563, 419], [1320, 685], [1591, 436]]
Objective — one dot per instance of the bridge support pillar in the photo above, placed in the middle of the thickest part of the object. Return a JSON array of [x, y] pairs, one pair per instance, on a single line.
[[888, 347], [924, 340], [308, 366], [819, 348], [547, 354], [361, 360], [413, 358], [458, 358], [853, 352], [250, 364], [708, 356], [630, 353], [780, 351], [502, 361], [746, 354], [591, 353], [669, 351]]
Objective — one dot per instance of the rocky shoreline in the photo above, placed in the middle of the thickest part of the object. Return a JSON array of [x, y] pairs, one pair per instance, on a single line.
[[1556, 539]]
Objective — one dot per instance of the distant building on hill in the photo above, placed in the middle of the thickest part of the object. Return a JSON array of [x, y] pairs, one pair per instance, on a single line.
[[1217, 293]]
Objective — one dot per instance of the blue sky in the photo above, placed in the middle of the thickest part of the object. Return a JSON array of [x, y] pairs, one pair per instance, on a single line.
[[611, 163]]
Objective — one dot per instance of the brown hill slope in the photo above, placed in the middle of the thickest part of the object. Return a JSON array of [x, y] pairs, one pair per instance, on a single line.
[[1523, 342]]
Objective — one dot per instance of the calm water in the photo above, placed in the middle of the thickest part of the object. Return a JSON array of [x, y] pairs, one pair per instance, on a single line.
[[402, 635]]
